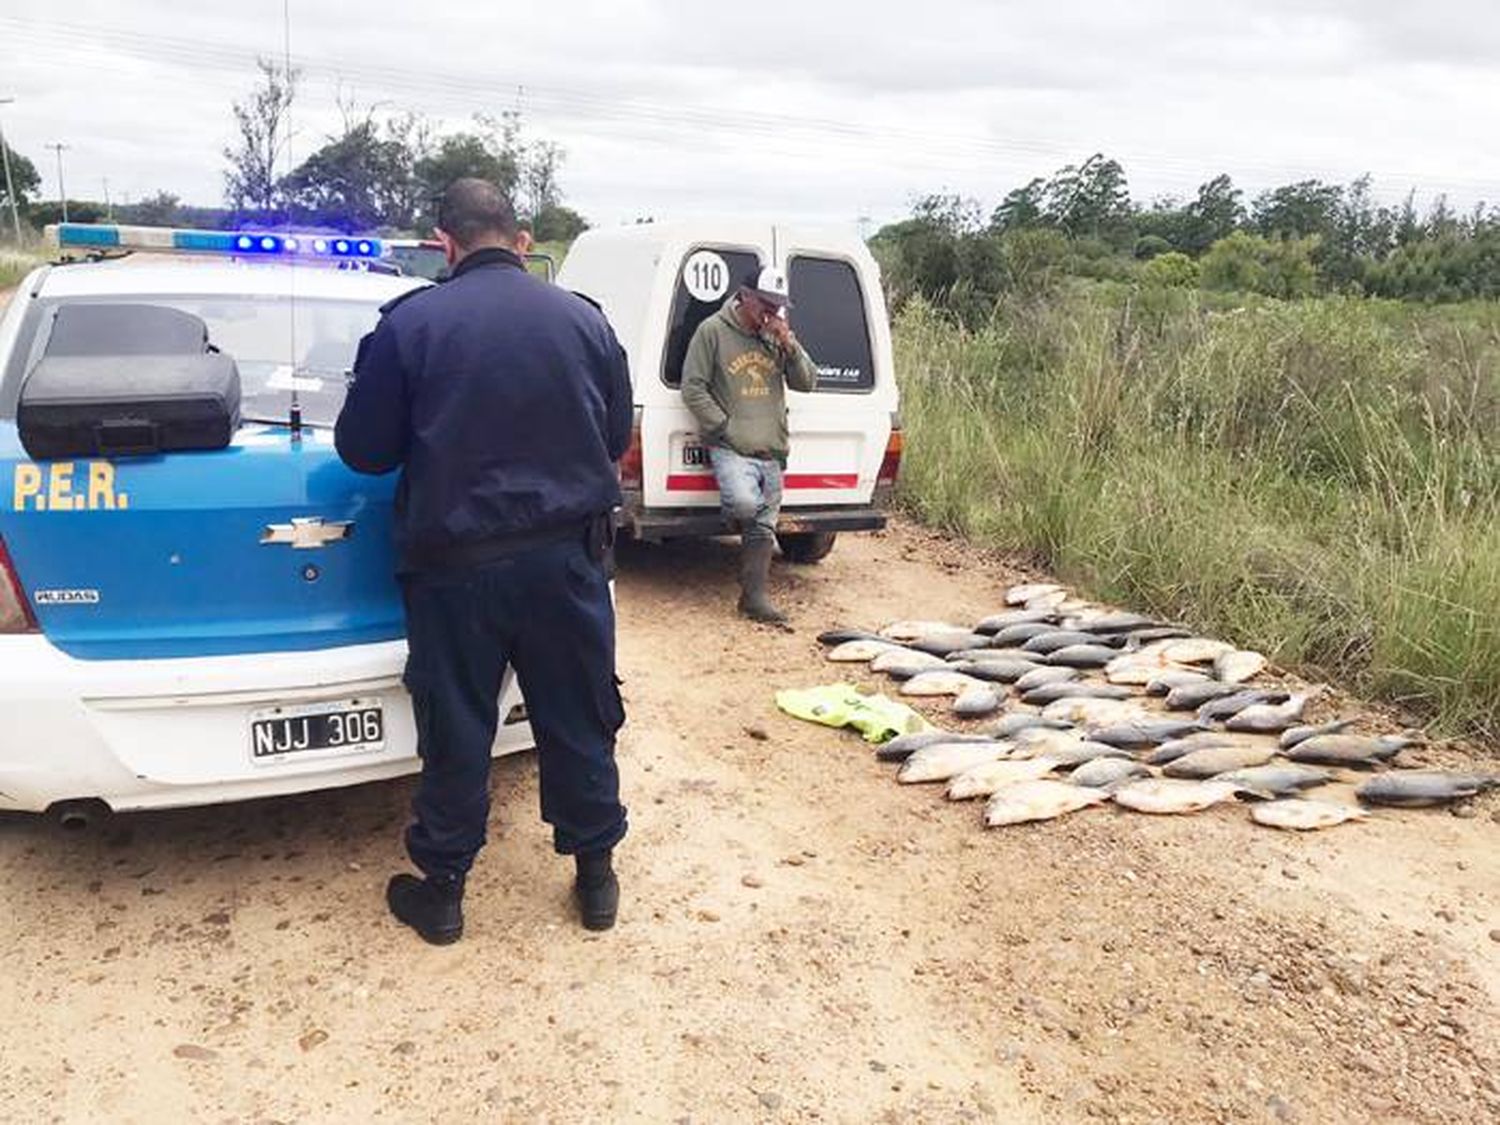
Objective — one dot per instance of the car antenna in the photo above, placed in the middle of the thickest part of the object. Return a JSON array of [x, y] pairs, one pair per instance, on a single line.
[[294, 420]]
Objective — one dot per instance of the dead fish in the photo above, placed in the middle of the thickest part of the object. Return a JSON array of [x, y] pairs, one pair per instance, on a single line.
[[945, 760], [1196, 650], [1415, 788], [1062, 638], [1300, 814], [977, 702], [1133, 672], [1072, 689], [1168, 678], [941, 644], [1046, 674], [1348, 749], [1082, 656], [1165, 795], [1295, 735], [992, 671], [1175, 748], [859, 651], [1143, 731], [1053, 601], [1013, 725], [997, 621], [1211, 761], [1190, 697], [1104, 773], [1023, 592], [1042, 799], [904, 746], [1279, 778], [1269, 718], [1035, 742], [1114, 622], [1157, 633], [1238, 666], [939, 681], [1019, 634], [1217, 710], [1084, 709], [905, 658], [831, 637], [983, 780], [913, 630], [1077, 753], [996, 654]]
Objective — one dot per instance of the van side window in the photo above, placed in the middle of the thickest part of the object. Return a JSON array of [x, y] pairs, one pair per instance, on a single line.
[[688, 312], [828, 315]]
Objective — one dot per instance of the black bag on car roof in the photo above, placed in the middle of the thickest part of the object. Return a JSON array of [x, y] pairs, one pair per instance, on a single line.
[[127, 380]]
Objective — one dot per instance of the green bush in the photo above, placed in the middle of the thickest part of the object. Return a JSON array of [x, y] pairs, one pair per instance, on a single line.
[[1170, 269]]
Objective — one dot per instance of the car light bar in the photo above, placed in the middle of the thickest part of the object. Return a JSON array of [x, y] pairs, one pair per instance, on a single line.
[[327, 247]]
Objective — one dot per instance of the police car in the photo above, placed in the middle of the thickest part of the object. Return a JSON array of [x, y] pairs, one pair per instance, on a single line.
[[658, 281], [197, 601]]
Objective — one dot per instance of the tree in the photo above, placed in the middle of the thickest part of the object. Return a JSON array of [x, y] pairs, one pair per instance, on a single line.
[[1091, 200], [1021, 208], [250, 182], [1172, 269], [350, 183], [556, 223], [1297, 210], [1215, 214], [160, 210], [1275, 267], [23, 175], [453, 157]]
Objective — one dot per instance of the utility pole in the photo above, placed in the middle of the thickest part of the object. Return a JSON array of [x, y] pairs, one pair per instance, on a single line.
[[10, 188], [62, 192], [109, 208]]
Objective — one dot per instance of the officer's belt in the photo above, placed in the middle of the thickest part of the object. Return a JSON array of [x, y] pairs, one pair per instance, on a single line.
[[479, 552]]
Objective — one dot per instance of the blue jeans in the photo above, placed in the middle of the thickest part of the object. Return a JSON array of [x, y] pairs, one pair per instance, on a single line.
[[749, 491]]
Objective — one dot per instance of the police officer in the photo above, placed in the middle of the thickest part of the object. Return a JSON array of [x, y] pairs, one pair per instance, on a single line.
[[505, 401]]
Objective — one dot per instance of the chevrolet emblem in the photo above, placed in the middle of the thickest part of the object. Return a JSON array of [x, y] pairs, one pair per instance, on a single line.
[[306, 533]]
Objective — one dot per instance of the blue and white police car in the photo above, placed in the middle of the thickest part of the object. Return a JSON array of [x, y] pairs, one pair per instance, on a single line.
[[197, 601]]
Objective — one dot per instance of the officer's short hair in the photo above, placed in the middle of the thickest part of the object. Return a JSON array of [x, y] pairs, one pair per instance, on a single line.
[[472, 208]]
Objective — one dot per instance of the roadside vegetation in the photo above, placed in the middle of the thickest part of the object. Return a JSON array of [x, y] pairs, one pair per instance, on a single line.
[[14, 265], [1318, 478]]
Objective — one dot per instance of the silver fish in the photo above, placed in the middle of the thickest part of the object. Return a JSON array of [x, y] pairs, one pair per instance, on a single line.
[[983, 780], [1190, 697], [977, 702], [1084, 751], [938, 681], [905, 658], [1024, 592], [1070, 689], [1036, 742], [997, 621], [1277, 778], [1168, 678], [914, 630], [1300, 814], [1415, 788], [1175, 748], [903, 746], [993, 671], [1042, 799], [1085, 709], [1046, 674], [1143, 731], [944, 760], [1211, 761], [1082, 656], [862, 651], [1019, 634], [1171, 795], [1238, 666], [1061, 638], [1105, 773], [1269, 718], [1117, 622], [941, 644], [1217, 710], [831, 637], [1012, 725], [999, 655], [1348, 749], [1196, 650], [1295, 735]]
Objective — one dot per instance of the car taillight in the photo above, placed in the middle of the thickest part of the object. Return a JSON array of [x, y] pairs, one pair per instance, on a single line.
[[15, 614], [630, 464], [890, 464]]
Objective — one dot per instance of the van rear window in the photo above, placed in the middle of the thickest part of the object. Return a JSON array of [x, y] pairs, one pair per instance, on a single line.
[[828, 315], [688, 312]]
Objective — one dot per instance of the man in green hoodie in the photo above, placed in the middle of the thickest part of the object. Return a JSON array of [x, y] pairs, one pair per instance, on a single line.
[[739, 363]]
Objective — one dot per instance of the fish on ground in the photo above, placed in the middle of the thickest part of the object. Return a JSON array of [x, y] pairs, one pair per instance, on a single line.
[[1348, 749], [1012, 725], [1105, 773], [1042, 799], [1046, 674], [1082, 656], [1417, 788], [1195, 650], [1211, 761], [941, 644], [1002, 655], [1061, 638], [1036, 742], [1190, 697], [1111, 622], [1166, 679], [904, 746], [983, 780], [1143, 731], [997, 621], [1072, 689], [861, 651], [1238, 666], [1174, 748], [1019, 634], [1269, 718], [977, 702], [945, 760], [903, 657], [1217, 710], [1077, 753], [1302, 814], [1278, 778], [1055, 601], [1086, 709], [914, 630], [1166, 795], [1295, 735], [938, 681], [1023, 592], [1153, 633], [830, 637], [993, 671]]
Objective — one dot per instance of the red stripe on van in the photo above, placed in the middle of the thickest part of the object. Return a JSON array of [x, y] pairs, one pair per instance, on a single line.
[[704, 482]]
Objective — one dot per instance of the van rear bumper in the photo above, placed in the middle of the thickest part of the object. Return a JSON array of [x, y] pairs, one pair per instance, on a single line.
[[655, 524]]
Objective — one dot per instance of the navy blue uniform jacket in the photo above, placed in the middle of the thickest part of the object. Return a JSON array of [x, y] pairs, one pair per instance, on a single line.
[[504, 399]]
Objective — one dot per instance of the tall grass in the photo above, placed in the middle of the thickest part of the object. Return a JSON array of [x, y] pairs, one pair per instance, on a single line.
[[14, 265], [1317, 479]]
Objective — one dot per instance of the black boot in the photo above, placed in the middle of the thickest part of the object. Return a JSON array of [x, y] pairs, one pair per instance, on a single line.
[[597, 890], [755, 573], [432, 907]]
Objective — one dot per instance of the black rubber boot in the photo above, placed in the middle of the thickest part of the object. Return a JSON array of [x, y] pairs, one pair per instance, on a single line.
[[597, 890], [755, 573], [432, 907]]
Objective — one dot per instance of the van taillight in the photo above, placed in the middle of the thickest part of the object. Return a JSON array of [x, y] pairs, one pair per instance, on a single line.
[[630, 464], [15, 614], [890, 464]]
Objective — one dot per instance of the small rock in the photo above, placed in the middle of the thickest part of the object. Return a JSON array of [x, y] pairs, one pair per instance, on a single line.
[[194, 1052], [758, 733], [1495, 935], [354, 865], [314, 1038], [219, 918], [1446, 915], [1288, 873], [877, 1066], [405, 1047], [770, 1099], [1464, 810], [794, 861], [752, 880], [708, 916], [1280, 1108]]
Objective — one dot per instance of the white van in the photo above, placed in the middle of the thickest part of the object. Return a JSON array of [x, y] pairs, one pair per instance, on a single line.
[[658, 281]]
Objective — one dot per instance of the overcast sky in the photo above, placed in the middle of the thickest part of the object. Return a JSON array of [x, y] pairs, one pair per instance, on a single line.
[[825, 109]]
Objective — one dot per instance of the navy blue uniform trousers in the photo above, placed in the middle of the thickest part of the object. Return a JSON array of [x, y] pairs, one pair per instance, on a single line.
[[547, 612]]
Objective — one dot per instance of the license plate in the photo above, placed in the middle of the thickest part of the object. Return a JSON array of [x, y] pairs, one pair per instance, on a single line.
[[346, 727], [695, 457]]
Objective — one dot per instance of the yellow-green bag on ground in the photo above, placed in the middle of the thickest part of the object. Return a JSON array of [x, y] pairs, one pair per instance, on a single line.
[[842, 705]]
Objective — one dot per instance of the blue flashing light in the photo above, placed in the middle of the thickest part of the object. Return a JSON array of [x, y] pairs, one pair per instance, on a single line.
[[244, 242], [364, 248], [268, 244], [87, 234], [216, 242], [292, 245], [320, 245], [341, 247]]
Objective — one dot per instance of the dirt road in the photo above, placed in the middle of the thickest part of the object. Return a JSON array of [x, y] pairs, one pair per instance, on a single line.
[[801, 939]]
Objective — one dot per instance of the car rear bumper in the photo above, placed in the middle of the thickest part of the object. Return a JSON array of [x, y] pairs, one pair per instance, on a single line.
[[652, 524], [139, 734]]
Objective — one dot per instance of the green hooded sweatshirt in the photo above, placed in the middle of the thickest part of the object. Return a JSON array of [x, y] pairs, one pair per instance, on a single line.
[[735, 384]]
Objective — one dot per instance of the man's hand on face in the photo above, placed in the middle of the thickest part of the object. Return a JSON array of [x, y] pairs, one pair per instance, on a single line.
[[777, 328]]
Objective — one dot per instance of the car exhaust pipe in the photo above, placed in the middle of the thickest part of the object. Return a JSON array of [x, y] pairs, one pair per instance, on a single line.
[[80, 816]]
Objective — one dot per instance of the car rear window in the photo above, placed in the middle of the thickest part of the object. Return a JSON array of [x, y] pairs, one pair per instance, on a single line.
[[828, 315], [688, 312]]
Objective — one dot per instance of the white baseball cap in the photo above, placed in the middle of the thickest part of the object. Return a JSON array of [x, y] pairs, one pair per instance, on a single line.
[[770, 286]]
